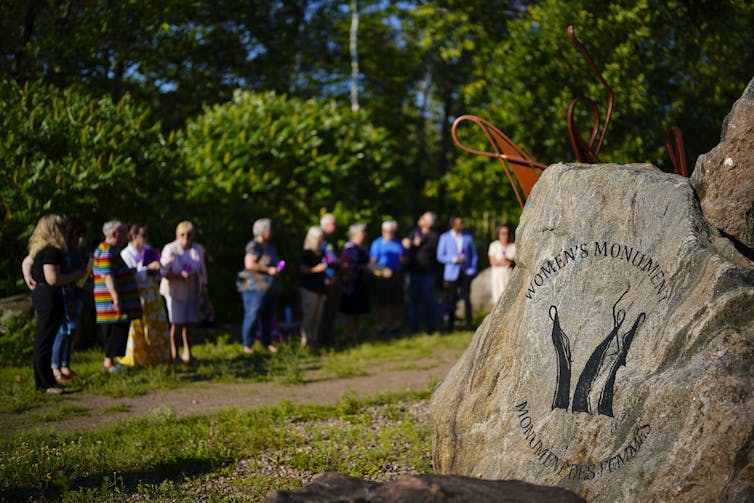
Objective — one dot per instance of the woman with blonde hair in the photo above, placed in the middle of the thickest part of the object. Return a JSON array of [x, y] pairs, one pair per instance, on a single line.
[[184, 275], [312, 284], [42, 274]]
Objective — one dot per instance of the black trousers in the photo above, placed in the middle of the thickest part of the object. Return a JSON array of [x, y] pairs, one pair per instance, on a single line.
[[451, 287], [114, 338], [329, 312], [48, 323]]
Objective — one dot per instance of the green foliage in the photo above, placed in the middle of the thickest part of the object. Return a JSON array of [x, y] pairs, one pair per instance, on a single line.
[[667, 62], [264, 155], [292, 156], [16, 341], [68, 153]]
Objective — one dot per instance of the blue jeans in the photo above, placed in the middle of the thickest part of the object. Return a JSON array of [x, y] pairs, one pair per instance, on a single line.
[[61, 348], [421, 294], [257, 304]]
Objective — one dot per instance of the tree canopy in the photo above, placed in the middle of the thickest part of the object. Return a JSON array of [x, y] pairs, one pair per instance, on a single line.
[[223, 112]]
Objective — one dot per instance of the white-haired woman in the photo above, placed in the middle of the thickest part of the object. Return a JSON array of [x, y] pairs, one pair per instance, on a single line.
[[116, 294], [312, 284], [258, 285], [184, 275], [388, 256], [42, 274]]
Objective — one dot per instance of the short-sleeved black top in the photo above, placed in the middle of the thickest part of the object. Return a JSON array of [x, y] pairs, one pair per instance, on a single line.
[[315, 281], [45, 296]]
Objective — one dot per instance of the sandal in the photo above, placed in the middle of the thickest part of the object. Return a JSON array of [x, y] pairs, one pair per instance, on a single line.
[[70, 374]]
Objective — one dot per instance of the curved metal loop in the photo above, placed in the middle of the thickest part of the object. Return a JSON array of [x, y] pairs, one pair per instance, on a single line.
[[517, 164], [676, 151], [595, 151], [583, 151]]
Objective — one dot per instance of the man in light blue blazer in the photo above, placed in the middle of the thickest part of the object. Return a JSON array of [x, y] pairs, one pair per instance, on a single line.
[[456, 251]]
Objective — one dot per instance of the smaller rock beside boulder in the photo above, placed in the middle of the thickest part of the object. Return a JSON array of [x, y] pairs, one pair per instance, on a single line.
[[724, 176], [335, 487], [16, 306]]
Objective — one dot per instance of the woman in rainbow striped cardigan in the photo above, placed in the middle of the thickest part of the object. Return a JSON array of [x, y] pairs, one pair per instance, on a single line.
[[116, 294]]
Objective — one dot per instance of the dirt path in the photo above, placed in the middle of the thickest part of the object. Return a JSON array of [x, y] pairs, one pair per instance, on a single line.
[[205, 398]]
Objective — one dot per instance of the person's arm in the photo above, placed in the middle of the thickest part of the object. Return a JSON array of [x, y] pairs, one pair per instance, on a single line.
[[110, 285], [307, 269], [444, 254], [26, 270], [510, 256], [166, 260], [141, 271], [373, 252], [491, 254], [202, 268], [403, 258], [54, 278], [473, 256], [251, 263]]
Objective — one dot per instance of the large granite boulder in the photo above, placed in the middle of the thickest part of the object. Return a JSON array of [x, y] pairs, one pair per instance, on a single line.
[[623, 364], [481, 295], [724, 176], [339, 488]]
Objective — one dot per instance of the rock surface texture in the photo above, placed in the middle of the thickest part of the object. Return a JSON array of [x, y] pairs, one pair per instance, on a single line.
[[619, 363], [724, 176], [339, 488]]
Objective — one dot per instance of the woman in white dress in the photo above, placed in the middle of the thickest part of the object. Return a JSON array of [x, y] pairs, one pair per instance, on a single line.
[[502, 254]]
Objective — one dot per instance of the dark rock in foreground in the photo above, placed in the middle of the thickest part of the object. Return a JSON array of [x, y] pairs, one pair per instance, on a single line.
[[336, 487]]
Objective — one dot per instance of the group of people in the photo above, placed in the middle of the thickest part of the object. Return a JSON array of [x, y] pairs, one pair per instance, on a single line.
[[126, 285], [330, 282], [134, 286]]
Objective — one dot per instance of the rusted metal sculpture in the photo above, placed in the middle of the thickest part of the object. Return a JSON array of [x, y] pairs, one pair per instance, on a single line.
[[676, 152], [522, 171], [588, 152]]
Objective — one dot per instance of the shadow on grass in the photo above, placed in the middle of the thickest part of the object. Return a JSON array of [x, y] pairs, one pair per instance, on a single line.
[[124, 483]]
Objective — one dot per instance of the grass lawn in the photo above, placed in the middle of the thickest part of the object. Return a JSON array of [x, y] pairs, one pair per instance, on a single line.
[[232, 455]]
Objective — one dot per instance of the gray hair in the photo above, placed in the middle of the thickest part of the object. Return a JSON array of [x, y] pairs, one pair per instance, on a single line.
[[313, 236], [432, 217], [326, 218], [389, 225], [111, 226], [354, 229], [260, 226]]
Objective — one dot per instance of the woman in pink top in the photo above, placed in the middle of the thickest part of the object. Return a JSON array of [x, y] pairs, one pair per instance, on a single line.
[[184, 275]]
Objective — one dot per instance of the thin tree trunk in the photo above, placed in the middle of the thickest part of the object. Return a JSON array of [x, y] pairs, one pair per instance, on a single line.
[[354, 55], [300, 32], [26, 31]]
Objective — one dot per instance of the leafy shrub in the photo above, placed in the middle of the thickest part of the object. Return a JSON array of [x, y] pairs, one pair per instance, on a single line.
[[16, 341], [264, 155], [66, 152]]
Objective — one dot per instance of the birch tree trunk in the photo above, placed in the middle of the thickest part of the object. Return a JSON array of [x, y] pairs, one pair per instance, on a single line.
[[354, 55]]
